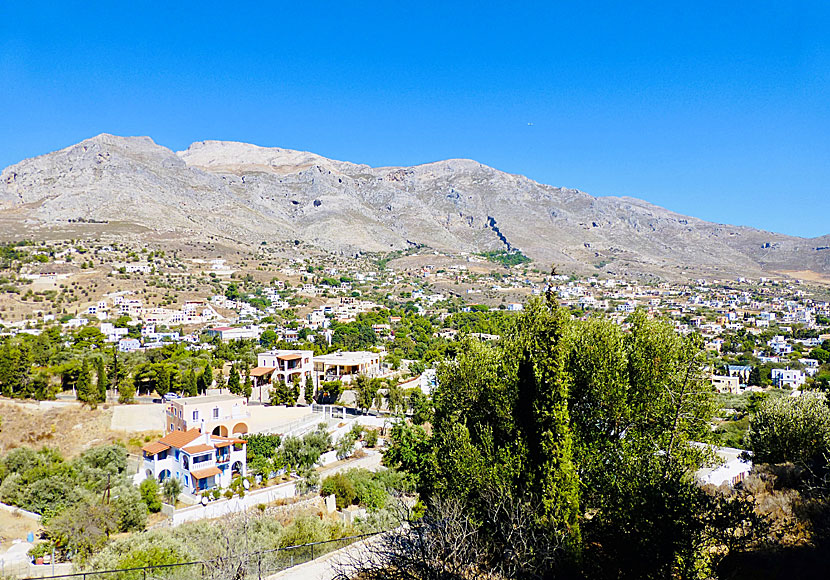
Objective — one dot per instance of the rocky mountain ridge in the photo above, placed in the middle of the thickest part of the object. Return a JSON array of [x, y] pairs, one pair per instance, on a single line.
[[253, 194]]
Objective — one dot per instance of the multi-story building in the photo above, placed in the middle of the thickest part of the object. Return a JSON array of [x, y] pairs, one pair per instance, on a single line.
[[345, 365], [201, 461], [281, 366], [217, 414], [788, 378]]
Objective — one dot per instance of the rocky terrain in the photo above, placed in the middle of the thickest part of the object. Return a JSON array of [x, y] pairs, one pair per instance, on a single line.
[[252, 194]]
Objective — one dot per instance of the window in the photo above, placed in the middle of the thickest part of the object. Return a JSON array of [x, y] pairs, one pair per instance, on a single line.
[[216, 412], [171, 427], [186, 462], [195, 415], [201, 459]]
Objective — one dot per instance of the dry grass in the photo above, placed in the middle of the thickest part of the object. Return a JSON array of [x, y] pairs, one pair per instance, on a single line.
[[15, 527], [71, 429]]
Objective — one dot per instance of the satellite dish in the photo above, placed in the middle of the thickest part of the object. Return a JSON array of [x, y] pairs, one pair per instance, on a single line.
[[246, 484], [204, 500]]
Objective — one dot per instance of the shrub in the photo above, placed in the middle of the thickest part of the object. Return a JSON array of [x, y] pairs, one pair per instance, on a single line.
[[342, 487], [793, 429]]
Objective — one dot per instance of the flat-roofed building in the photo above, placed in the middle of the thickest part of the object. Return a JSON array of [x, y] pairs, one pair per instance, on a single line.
[[218, 414], [345, 365]]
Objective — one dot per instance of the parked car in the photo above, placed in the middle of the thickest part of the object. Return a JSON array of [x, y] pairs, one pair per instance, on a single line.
[[171, 396]]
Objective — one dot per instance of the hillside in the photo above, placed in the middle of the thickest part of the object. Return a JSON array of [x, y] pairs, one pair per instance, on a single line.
[[252, 194]]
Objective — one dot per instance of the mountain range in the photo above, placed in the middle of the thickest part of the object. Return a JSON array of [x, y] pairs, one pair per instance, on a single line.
[[252, 194]]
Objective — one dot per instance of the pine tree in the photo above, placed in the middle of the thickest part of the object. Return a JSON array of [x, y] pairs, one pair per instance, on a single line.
[[755, 377], [102, 378]]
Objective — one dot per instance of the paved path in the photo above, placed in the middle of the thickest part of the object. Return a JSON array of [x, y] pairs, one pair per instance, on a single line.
[[325, 567]]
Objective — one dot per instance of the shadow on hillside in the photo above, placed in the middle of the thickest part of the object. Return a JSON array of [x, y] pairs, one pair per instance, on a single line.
[[801, 563]]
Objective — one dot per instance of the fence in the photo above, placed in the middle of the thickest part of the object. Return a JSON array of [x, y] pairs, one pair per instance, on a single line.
[[245, 566]]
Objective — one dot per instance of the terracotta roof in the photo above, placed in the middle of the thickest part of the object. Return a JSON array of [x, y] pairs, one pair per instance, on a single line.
[[155, 447], [289, 356], [261, 371], [180, 438], [202, 473], [198, 448]]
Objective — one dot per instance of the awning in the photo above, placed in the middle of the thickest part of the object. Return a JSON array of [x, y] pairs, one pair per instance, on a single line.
[[155, 447], [203, 473], [289, 356], [261, 371], [197, 449]]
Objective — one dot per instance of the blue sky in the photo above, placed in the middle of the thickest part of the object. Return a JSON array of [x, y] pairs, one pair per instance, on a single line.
[[720, 110]]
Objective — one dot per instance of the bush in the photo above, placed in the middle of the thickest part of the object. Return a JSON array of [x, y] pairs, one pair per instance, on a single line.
[[342, 487], [793, 429], [149, 490], [371, 438]]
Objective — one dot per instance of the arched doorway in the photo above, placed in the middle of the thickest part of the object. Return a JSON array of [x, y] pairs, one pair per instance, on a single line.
[[165, 474], [220, 431], [240, 428], [236, 469]]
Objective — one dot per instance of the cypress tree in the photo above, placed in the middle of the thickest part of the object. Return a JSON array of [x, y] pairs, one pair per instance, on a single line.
[[103, 380], [543, 419], [86, 392], [190, 388], [233, 381]]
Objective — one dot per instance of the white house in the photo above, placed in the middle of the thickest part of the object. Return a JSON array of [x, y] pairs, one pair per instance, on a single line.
[[128, 345], [788, 378], [200, 461]]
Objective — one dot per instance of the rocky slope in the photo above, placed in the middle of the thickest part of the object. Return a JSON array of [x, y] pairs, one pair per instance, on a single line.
[[252, 193]]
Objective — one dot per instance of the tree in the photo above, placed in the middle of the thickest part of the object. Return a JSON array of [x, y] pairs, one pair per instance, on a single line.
[[190, 387], [366, 391], [309, 393], [86, 392], [126, 391], [282, 394], [170, 489], [149, 490], [233, 381], [754, 377], [793, 429], [820, 355], [205, 379], [102, 379], [82, 530]]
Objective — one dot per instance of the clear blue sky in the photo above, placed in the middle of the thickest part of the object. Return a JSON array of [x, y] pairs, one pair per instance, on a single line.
[[715, 109]]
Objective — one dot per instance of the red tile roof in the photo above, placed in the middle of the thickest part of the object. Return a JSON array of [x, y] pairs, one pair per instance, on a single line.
[[203, 473], [180, 438], [155, 447]]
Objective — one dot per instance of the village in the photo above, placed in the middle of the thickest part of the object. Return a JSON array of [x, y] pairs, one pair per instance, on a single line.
[[196, 357]]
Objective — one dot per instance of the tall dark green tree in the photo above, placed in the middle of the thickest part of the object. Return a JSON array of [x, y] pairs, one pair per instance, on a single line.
[[87, 392], [102, 379], [539, 347], [190, 388], [234, 385]]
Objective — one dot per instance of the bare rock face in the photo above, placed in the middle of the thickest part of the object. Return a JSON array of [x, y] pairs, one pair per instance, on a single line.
[[251, 193]]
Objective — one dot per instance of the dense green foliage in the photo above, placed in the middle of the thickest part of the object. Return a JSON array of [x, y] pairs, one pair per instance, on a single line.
[[585, 427], [791, 429], [506, 258]]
